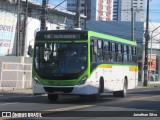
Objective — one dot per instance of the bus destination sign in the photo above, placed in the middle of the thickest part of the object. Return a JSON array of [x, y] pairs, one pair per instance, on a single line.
[[62, 36]]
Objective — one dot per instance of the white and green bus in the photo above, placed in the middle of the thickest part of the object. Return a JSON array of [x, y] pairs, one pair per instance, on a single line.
[[74, 62]]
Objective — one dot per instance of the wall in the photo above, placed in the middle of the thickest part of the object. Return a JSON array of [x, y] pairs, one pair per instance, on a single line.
[[15, 72], [8, 22]]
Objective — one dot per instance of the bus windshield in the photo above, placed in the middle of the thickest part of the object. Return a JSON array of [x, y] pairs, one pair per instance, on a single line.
[[60, 60]]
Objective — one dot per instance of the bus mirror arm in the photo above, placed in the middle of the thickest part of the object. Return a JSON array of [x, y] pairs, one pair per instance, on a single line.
[[30, 50]]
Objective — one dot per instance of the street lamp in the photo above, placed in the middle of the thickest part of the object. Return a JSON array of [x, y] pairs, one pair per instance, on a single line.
[[151, 49]]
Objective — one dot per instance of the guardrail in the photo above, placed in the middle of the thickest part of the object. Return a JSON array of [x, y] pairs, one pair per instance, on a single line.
[[15, 75]]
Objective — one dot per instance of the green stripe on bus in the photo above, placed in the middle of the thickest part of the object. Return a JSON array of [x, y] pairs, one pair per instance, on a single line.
[[112, 38]]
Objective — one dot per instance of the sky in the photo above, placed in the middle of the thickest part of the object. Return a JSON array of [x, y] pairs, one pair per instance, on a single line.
[[154, 13]]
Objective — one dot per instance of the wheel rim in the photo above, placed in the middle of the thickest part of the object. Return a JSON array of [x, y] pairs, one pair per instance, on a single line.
[[125, 89]]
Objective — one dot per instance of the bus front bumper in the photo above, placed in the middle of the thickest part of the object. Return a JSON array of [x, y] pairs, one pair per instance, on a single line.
[[85, 89]]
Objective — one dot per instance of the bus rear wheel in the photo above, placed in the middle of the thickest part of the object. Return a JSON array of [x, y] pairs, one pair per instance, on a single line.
[[52, 97], [122, 93], [116, 93]]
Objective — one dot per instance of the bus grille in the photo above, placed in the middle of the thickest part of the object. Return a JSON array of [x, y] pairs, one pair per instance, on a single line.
[[55, 89]]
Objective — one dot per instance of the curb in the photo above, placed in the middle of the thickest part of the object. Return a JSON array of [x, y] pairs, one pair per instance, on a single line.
[[16, 91]]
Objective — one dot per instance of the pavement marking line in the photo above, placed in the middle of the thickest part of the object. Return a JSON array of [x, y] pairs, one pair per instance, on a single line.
[[66, 109], [142, 98], [9, 103]]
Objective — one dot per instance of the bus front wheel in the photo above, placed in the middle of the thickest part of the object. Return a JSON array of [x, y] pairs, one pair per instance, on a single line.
[[96, 97], [52, 97]]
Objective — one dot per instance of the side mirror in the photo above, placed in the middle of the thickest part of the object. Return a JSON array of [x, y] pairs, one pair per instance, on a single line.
[[30, 50]]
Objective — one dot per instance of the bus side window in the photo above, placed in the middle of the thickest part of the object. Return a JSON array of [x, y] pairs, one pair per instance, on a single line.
[[107, 51], [100, 50], [93, 50], [120, 53], [134, 55], [125, 53], [116, 47], [113, 52], [130, 54], [127, 48]]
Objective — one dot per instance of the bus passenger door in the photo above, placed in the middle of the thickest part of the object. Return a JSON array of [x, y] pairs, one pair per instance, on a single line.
[[93, 60]]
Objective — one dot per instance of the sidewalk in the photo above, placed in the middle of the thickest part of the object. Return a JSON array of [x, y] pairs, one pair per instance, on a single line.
[[151, 83], [17, 91]]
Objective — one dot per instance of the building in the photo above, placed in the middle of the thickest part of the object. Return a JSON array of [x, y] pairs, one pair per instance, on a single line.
[[108, 10], [116, 10], [122, 10], [100, 10], [154, 50], [71, 5]]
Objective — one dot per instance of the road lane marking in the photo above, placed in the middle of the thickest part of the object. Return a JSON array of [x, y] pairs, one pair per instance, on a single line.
[[143, 98], [9, 103], [66, 109]]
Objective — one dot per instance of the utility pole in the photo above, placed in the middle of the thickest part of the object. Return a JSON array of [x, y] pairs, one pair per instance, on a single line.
[[146, 48], [25, 30], [77, 24], [18, 27], [132, 10], [44, 14], [86, 12]]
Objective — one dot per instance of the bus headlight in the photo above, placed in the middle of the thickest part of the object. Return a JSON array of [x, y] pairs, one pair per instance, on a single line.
[[35, 80], [83, 80]]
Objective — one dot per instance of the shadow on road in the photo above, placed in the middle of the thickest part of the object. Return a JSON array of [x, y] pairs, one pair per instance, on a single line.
[[106, 100], [63, 99]]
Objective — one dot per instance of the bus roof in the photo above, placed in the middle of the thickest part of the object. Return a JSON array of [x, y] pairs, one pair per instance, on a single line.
[[111, 38], [92, 33], [62, 31]]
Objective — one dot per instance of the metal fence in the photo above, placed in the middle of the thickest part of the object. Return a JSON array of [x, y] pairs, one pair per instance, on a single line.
[[15, 75]]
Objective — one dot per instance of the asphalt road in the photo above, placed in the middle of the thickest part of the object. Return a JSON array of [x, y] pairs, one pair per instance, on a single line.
[[139, 102]]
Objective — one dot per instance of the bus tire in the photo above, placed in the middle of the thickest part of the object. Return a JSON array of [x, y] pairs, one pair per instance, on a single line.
[[96, 97], [52, 97], [123, 93], [116, 93], [101, 85]]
